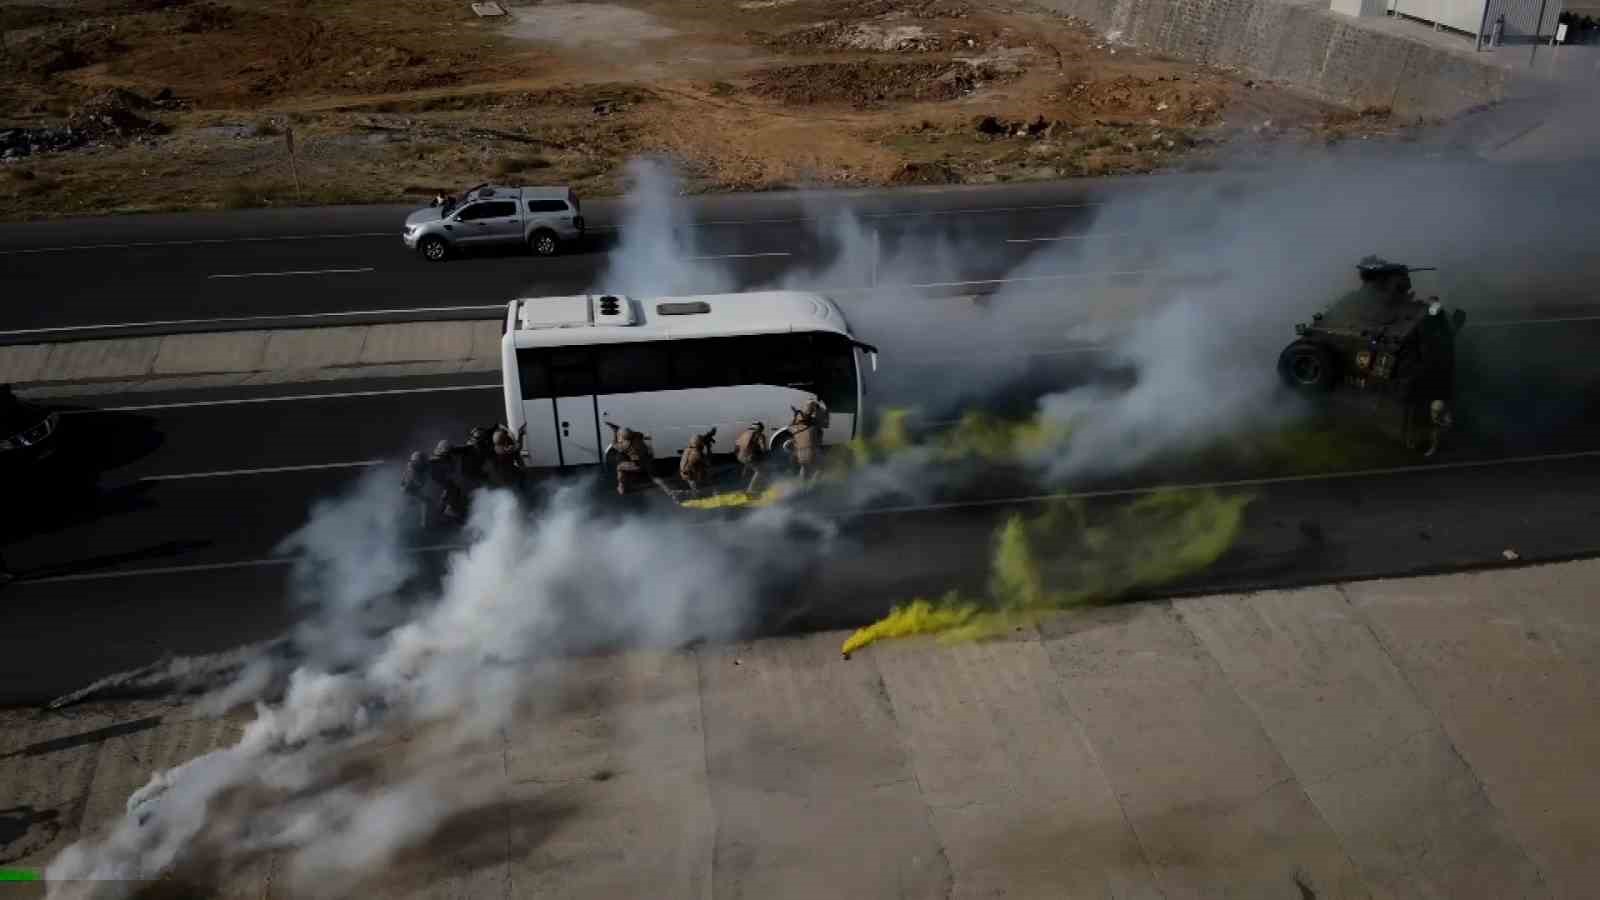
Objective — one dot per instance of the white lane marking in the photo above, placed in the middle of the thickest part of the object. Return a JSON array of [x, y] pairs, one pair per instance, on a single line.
[[238, 401], [735, 256], [1515, 323], [1237, 483], [982, 281], [196, 241], [931, 507], [299, 272], [906, 214], [201, 567], [1067, 237], [396, 232], [246, 319], [229, 473]]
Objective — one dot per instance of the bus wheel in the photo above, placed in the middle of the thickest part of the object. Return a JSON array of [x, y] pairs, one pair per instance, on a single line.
[[783, 450]]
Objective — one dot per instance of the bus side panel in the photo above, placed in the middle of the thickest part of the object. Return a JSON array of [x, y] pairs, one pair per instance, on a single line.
[[534, 418], [541, 446], [580, 433]]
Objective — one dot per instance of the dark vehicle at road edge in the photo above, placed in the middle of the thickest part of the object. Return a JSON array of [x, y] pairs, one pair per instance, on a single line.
[[27, 431]]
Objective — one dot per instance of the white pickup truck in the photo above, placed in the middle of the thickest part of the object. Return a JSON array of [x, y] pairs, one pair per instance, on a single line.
[[539, 218]]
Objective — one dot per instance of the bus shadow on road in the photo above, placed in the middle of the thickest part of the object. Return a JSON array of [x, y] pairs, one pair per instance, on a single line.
[[70, 487]]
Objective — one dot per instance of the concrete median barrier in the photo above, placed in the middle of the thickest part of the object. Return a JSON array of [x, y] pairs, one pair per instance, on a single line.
[[233, 358]]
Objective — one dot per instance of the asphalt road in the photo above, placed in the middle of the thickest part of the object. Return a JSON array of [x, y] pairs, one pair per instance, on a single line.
[[107, 276], [159, 531], [96, 274]]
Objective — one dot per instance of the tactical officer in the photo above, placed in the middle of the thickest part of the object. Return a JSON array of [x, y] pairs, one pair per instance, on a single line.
[[694, 465], [750, 449], [445, 471], [633, 456], [806, 431], [505, 467], [415, 482]]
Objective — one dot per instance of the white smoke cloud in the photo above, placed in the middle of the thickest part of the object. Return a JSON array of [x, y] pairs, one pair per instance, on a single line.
[[528, 591], [657, 254]]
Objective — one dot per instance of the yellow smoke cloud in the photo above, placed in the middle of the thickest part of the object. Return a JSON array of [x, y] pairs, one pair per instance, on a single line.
[[742, 499], [982, 436], [1150, 541]]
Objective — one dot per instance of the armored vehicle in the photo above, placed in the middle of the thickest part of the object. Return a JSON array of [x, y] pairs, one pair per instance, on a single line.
[[1381, 349]]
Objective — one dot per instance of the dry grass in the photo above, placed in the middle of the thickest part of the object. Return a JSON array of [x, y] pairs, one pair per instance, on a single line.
[[386, 97]]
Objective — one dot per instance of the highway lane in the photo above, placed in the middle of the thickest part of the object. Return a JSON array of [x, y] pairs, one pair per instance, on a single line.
[[162, 269], [64, 633], [101, 285]]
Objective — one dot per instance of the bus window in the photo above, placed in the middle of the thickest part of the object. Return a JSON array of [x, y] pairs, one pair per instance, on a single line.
[[571, 371], [710, 362], [631, 368], [530, 369], [836, 371], [787, 360]]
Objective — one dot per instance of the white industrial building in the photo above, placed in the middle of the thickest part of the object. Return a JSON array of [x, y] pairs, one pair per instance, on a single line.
[[1526, 21]]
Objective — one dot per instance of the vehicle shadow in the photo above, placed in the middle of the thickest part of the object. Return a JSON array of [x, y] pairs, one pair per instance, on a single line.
[[586, 246], [72, 486]]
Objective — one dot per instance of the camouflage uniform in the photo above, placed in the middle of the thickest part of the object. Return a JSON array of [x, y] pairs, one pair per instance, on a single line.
[[633, 456], [445, 470], [750, 448], [505, 466], [806, 431], [694, 466]]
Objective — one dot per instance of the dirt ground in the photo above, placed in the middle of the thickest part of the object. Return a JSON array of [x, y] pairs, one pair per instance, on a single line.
[[135, 105]]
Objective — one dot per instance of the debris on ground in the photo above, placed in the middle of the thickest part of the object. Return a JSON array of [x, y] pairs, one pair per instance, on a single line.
[[871, 83], [111, 115], [387, 99]]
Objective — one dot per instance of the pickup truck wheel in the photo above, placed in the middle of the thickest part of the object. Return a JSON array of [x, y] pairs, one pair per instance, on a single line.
[[433, 249], [543, 243]]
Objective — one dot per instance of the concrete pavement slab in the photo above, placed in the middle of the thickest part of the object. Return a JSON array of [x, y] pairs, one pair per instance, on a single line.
[[99, 360], [1372, 757], [814, 791], [313, 348], [1217, 809], [191, 354], [614, 749], [1227, 746], [486, 340], [413, 342], [1017, 795], [22, 364], [1509, 665]]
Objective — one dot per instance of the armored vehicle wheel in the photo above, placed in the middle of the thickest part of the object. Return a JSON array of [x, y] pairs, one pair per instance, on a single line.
[[1307, 367]]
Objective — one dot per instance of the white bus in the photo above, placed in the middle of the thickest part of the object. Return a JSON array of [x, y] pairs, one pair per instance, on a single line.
[[673, 367]]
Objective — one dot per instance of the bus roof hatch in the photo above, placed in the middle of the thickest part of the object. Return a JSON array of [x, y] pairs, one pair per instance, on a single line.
[[610, 309]]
